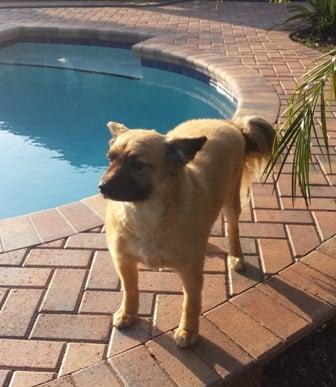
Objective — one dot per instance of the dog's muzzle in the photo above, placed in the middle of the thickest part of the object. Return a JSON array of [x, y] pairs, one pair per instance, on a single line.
[[102, 188], [124, 191]]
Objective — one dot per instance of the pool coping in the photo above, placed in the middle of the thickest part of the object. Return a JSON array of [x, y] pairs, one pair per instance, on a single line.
[[254, 94]]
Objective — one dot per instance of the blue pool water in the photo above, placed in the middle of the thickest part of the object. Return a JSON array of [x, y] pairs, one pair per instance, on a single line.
[[53, 136]]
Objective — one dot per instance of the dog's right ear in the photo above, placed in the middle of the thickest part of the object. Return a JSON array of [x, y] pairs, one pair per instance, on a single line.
[[182, 150], [116, 128]]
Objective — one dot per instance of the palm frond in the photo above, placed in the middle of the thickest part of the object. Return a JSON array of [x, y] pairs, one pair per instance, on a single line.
[[294, 136]]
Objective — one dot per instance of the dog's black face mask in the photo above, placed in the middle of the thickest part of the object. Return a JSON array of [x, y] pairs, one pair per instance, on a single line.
[[126, 180]]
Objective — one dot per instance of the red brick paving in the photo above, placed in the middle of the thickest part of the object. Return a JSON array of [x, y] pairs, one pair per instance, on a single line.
[[183, 366], [273, 316], [220, 351], [25, 378], [241, 327], [314, 282], [275, 255], [30, 354], [100, 372], [322, 263], [81, 355], [67, 289], [290, 295], [138, 367]]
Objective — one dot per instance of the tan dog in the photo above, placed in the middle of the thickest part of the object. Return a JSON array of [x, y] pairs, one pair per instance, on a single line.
[[165, 194]]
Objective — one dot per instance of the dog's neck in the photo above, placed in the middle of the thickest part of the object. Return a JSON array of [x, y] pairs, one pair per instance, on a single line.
[[157, 214]]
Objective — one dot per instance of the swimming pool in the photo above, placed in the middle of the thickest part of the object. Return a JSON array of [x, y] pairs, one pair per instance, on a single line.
[[55, 100]]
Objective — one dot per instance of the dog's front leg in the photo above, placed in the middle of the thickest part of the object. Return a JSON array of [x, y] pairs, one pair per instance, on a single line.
[[187, 331], [128, 311]]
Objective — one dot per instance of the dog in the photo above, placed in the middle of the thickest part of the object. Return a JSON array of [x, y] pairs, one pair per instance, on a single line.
[[164, 194]]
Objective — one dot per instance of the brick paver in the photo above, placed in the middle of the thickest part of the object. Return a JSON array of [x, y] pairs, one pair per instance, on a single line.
[[102, 274], [121, 340], [274, 254], [25, 379], [58, 258], [239, 282], [79, 216], [12, 258], [329, 248], [58, 286], [72, 327], [80, 355], [314, 283], [99, 373], [220, 351], [64, 290], [321, 262], [241, 327], [30, 354], [87, 241], [278, 319], [302, 239], [24, 277], [12, 323], [167, 311], [18, 232], [289, 293], [138, 368], [326, 223], [183, 366], [51, 224]]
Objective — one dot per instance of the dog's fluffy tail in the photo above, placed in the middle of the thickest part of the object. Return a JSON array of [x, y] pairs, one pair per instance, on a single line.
[[259, 137]]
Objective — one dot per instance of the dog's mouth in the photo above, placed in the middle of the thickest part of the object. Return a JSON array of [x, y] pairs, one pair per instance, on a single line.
[[104, 195]]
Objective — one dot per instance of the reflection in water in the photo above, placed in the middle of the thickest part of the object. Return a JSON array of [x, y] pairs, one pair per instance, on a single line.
[[53, 138]]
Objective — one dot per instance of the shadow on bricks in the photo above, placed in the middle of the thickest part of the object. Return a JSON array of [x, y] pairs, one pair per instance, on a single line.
[[313, 301], [214, 358]]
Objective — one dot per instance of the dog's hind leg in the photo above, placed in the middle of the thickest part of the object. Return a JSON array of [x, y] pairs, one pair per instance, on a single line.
[[128, 311], [187, 331], [235, 256]]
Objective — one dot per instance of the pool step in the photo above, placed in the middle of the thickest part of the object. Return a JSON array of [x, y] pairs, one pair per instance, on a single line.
[[104, 60]]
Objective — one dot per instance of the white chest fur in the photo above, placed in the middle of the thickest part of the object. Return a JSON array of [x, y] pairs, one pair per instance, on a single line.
[[143, 224]]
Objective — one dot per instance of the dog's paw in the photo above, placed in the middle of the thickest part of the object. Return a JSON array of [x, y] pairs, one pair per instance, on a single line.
[[185, 338], [122, 320], [236, 263]]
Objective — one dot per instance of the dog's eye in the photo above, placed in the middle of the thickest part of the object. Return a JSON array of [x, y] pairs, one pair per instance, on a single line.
[[112, 156], [136, 165]]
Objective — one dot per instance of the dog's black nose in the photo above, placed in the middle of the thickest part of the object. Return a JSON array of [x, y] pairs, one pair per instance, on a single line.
[[101, 186]]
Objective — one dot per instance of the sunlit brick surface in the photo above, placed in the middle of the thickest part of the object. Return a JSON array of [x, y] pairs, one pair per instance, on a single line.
[[56, 298]]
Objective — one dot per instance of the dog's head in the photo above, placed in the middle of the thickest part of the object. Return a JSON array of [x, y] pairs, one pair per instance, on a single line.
[[142, 160]]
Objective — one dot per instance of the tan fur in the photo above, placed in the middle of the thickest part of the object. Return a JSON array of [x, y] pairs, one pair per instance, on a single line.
[[171, 228]]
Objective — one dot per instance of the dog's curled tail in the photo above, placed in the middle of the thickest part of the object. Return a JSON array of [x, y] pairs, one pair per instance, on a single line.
[[259, 137]]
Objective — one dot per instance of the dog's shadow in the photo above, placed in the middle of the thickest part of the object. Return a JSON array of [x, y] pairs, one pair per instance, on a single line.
[[215, 355], [207, 361]]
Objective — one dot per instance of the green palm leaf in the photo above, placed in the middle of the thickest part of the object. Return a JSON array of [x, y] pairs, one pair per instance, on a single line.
[[298, 129]]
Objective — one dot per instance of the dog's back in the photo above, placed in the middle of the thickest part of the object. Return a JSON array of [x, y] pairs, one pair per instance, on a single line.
[[234, 151]]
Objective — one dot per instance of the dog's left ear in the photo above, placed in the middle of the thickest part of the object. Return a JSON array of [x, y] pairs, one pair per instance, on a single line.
[[182, 150], [116, 128]]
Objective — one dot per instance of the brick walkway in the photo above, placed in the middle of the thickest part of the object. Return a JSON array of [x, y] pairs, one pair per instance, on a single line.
[[56, 298]]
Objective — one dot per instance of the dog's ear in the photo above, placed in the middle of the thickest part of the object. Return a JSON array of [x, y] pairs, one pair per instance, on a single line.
[[116, 128], [182, 150]]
